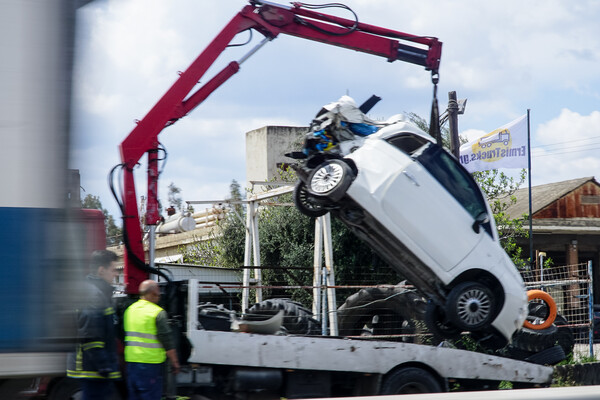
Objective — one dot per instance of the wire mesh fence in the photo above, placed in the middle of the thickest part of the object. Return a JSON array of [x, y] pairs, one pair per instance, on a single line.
[[571, 288], [375, 303]]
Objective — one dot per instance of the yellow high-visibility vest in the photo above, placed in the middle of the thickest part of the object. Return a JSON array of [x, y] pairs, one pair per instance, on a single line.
[[141, 343]]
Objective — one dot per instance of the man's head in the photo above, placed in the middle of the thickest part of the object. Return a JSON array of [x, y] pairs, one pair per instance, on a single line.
[[103, 265], [150, 291]]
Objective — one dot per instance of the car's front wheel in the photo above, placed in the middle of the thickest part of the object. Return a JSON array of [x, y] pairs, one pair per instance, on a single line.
[[471, 306], [331, 179]]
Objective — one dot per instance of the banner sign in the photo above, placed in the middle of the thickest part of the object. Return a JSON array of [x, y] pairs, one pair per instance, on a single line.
[[505, 147]]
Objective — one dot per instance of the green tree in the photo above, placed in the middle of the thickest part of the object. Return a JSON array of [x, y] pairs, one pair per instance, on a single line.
[[499, 189], [287, 244], [113, 232], [174, 197], [235, 195]]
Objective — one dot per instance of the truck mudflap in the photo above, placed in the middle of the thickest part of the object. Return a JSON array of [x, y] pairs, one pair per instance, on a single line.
[[351, 355]]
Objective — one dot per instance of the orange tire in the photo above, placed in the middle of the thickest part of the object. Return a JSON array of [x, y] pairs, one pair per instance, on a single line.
[[536, 294]]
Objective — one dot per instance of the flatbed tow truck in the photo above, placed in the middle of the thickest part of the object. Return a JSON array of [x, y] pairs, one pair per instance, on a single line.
[[227, 363], [321, 366]]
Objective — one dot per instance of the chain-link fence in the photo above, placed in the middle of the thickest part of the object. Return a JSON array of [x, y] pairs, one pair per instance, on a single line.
[[375, 303], [571, 288]]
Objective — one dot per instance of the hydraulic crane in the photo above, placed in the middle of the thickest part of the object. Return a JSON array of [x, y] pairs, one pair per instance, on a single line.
[[270, 20]]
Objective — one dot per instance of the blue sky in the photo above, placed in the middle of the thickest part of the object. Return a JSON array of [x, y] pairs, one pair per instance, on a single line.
[[503, 56]]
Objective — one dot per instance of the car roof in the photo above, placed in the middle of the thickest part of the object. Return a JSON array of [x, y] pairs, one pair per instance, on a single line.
[[399, 126]]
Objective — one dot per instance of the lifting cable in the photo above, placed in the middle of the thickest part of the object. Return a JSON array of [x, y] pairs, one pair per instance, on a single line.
[[434, 119]]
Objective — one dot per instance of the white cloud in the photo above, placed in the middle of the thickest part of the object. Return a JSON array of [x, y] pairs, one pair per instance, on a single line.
[[566, 147], [505, 57]]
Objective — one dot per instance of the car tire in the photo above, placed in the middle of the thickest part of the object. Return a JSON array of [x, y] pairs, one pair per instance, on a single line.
[[438, 324], [396, 310], [564, 335], [535, 340], [471, 306], [550, 356], [410, 380], [305, 202], [297, 320], [331, 179]]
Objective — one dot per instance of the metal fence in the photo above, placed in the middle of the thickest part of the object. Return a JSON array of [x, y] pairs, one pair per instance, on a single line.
[[373, 302], [571, 286]]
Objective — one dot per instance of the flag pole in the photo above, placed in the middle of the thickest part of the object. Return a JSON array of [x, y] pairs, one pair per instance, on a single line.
[[531, 264]]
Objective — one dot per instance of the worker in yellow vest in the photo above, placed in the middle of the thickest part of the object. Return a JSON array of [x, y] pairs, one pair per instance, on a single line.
[[148, 343]]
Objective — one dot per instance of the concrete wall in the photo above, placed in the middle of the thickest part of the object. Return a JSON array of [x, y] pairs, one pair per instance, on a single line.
[[265, 149]]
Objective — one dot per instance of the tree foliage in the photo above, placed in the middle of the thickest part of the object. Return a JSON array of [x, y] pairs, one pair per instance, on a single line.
[[287, 248], [174, 197], [499, 189], [113, 232]]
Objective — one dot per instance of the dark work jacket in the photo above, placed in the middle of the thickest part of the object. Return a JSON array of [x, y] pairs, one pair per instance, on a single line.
[[96, 353]]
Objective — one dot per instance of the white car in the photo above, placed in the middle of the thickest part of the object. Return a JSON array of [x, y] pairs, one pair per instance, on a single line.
[[421, 211]]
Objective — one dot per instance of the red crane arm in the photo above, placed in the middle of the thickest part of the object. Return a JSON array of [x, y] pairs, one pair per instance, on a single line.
[[270, 20]]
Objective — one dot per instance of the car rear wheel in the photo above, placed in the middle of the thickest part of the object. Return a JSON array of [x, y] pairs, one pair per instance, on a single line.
[[471, 306], [331, 179], [438, 324]]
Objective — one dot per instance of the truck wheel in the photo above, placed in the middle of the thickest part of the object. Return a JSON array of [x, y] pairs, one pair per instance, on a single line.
[[470, 306], [297, 319], [69, 389], [305, 202], [331, 179], [410, 380], [438, 323], [381, 311], [66, 389]]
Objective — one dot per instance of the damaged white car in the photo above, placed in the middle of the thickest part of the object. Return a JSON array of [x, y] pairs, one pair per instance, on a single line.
[[421, 211]]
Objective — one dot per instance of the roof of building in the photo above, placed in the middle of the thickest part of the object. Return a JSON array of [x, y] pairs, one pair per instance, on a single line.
[[543, 195]]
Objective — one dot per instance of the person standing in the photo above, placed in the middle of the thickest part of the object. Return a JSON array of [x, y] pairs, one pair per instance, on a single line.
[[148, 343], [95, 363]]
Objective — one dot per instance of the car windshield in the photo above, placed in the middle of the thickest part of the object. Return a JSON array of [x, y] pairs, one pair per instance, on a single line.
[[455, 179]]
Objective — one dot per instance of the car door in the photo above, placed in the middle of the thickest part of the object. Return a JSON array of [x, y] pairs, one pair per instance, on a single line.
[[435, 202]]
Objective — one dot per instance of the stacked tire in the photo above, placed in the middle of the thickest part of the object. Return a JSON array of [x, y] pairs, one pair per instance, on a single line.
[[297, 320], [390, 310]]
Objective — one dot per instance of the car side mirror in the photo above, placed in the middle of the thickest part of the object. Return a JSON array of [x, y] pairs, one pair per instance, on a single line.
[[480, 220]]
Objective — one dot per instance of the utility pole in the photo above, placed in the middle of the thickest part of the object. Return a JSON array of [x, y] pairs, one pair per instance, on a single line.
[[453, 124]]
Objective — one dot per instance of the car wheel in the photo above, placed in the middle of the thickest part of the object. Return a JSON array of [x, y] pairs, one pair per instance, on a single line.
[[381, 311], [549, 356], [297, 320], [470, 306], [330, 179], [564, 336], [305, 202], [438, 324], [535, 340], [410, 380]]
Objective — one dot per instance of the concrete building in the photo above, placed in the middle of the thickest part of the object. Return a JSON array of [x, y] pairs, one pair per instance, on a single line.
[[266, 148]]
